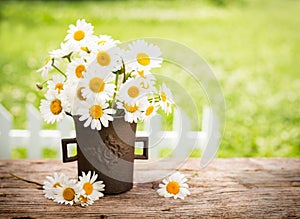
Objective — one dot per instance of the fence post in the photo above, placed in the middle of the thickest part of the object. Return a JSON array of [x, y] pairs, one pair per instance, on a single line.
[[153, 128], [211, 127], [206, 124], [5, 126], [34, 125], [181, 127], [65, 127]]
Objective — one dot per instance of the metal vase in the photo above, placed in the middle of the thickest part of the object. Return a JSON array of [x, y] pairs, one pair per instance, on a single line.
[[109, 152]]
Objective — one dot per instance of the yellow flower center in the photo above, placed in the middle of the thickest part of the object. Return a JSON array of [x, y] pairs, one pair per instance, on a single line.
[[103, 58], [85, 49], [130, 108], [96, 112], [143, 59], [102, 42], [83, 199], [163, 96], [59, 87], [79, 94], [78, 71], [97, 85], [141, 73], [173, 188], [57, 184], [69, 194], [55, 107], [79, 35], [88, 188], [133, 91], [149, 110]]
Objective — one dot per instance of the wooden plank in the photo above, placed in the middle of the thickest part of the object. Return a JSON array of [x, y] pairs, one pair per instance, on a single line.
[[227, 188]]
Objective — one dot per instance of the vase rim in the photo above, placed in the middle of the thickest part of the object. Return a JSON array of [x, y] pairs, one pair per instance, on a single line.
[[115, 117]]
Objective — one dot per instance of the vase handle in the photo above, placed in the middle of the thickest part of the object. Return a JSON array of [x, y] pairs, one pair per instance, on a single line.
[[64, 144], [145, 141]]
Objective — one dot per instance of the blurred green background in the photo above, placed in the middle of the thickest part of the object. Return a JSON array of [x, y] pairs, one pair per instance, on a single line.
[[253, 47]]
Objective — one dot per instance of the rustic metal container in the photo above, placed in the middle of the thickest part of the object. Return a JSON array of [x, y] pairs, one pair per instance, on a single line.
[[109, 152]]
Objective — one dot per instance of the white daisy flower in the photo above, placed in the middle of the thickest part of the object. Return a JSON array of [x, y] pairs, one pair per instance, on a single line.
[[107, 40], [57, 83], [165, 99], [96, 113], [105, 58], [131, 91], [132, 111], [48, 66], [79, 36], [93, 190], [149, 108], [75, 99], [97, 84], [64, 50], [52, 182], [142, 56], [52, 108], [174, 186], [73, 96], [76, 69], [68, 192]]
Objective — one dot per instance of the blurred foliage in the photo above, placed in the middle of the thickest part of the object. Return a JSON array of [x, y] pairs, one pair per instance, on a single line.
[[20, 153], [253, 47], [49, 153], [165, 152], [225, 3], [195, 153]]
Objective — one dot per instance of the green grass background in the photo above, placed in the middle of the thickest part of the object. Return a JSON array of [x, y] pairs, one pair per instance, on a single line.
[[253, 47]]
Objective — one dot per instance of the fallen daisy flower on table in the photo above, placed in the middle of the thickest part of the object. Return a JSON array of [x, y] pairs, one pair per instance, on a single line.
[[69, 191], [174, 186], [52, 182], [93, 190]]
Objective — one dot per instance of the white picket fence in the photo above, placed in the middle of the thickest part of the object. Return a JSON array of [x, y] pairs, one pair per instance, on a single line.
[[34, 139]]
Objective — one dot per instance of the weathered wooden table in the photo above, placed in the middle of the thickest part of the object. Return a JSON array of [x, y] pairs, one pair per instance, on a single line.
[[227, 188]]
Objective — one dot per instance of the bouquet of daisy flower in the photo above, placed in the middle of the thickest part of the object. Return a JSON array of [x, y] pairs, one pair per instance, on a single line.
[[98, 80]]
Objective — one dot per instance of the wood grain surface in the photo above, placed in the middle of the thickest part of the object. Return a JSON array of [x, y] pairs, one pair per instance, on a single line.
[[227, 188]]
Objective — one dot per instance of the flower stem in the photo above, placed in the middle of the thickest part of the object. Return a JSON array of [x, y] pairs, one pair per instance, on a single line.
[[116, 89], [124, 72], [26, 180], [40, 86], [68, 57], [60, 71], [156, 98]]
